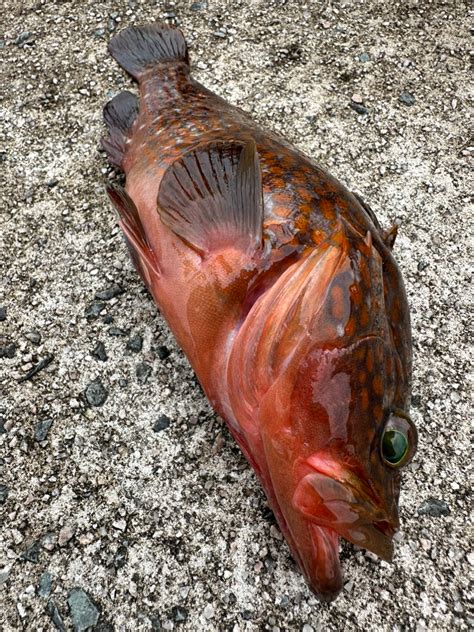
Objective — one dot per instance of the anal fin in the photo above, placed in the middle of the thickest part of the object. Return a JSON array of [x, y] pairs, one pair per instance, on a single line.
[[141, 253], [212, 197]]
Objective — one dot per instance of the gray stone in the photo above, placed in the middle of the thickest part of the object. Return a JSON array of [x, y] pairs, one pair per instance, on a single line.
[[95, 393], [84, 612]]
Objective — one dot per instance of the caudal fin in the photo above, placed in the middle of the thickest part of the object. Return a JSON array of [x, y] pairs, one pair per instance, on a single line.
[[137, 48]]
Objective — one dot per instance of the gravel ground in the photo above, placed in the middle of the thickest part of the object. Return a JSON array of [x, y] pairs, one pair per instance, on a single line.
[[125, 504]]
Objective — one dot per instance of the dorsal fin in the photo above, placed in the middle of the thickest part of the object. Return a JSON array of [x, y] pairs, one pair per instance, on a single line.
[[119, 115], [212, 197], [131, 224]]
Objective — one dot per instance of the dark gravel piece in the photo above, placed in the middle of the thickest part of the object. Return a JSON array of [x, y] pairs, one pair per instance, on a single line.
[[163, 352], [84, 612], [120, 557], [3, 313], [2, 426], [95, 393], [24, 38], [155, 623], [99, 352], [31, 553], [104, 627], [434, 507], [359, 108], [42, 364], [161, 423], [42, 429], [93, 310], [179, 614], [143, 372], [135, 343], [52, 183], [8, 350], [117, 332], [53, 612], [4, 491], [407, 98], [45, 583], [247, 615], [109, 293], [33, 336], [199, 6]]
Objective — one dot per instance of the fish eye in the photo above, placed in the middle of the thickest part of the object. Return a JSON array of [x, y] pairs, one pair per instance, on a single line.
[[399, 440]]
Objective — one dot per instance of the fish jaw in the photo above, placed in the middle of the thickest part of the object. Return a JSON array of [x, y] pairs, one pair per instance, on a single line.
[[331, 495]]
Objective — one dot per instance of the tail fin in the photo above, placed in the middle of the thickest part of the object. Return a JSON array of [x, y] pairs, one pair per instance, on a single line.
[[119, 116], [138, 47]]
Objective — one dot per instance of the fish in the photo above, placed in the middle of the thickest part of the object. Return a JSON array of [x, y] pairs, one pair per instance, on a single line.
[[281, 288]]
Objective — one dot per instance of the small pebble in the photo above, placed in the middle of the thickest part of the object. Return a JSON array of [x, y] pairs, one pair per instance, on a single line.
[[143, 372], [109, 293], [434, 507], [53, 612], [42, 429], [93, 310], [33, 336], [8, 350], [179, 614], [45, 583], [199, 6], [32, 553], [65, 534], [161, 423], [359, 108], [363, 57], [407, 98], [356, 98], [4, 490], [117, 332], [163, 352], [84, 612], [99, 352], [135, 343], [209, 611], [96, 393], [120, 557], [3, 313]]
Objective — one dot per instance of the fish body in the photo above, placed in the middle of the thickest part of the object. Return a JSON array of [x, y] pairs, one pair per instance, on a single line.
[[280, 286]]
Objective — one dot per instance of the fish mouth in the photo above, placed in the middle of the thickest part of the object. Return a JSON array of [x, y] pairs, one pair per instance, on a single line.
[[332, 496]]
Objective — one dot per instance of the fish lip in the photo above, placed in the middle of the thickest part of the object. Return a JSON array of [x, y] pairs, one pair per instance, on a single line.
[[374, 530]]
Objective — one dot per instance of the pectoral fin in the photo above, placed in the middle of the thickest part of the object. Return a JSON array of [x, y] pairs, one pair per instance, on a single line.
[[212, 197]]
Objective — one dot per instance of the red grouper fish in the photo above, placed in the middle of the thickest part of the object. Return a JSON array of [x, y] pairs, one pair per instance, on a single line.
[[280, 287]]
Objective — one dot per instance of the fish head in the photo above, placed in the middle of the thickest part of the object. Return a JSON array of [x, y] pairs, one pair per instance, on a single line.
[[337, 430], [335, 454]]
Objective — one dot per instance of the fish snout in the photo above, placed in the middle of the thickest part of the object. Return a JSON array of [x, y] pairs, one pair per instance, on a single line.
[[330, 494]]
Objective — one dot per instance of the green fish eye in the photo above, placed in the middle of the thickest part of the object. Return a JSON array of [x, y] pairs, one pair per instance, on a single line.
[[394, 446]]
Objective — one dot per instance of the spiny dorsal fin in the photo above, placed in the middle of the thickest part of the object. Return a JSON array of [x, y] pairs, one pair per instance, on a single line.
[[212, 197], [131, 224], [119, 115]]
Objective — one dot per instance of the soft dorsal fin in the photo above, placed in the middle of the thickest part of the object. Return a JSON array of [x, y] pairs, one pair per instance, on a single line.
[[212, 197], [135, 236], [119, 115]]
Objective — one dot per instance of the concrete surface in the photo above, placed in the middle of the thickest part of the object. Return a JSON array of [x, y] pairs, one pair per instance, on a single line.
[[131, 528]]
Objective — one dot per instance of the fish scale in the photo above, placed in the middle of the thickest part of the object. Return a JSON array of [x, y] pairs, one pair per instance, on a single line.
[[281, 288]]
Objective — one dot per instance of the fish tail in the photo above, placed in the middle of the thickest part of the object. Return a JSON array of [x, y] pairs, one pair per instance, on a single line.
[[138, 48]]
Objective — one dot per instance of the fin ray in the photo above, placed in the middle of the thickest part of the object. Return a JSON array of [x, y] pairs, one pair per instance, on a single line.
[[119, 115], [212, 196], [137, 48]]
